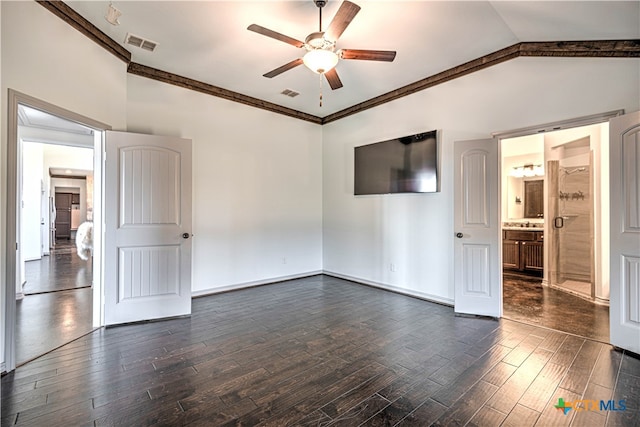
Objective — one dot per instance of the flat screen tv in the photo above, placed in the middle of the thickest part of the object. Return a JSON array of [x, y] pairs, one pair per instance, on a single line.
[[402, 165]]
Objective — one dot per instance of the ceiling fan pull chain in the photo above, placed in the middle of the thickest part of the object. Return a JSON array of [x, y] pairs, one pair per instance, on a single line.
[[320, 75]]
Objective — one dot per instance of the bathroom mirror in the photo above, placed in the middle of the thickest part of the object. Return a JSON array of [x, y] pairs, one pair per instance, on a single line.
[[533, 198], [525, 197]]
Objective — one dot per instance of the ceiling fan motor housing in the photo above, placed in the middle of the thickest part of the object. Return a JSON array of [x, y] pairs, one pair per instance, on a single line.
[[317, 41], [320, 3]]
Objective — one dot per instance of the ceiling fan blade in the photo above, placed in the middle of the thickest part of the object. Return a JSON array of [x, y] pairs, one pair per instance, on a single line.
[[343, 18], [368, 55], [333, 79], [283, 68], [274, 35]]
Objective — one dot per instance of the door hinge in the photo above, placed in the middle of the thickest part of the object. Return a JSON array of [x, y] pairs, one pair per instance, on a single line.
[[16, 246]]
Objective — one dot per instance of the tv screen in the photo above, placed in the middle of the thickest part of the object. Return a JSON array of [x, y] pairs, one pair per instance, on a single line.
[[402, 165]]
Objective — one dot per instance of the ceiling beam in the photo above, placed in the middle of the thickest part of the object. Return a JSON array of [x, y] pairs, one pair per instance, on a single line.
[[198, 86]]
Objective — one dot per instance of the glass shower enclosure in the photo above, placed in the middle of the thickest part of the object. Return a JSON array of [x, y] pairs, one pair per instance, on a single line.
[[571, 248]]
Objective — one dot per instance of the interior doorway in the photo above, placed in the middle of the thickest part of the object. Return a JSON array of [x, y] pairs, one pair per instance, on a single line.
[[36, 310], [555, 208], [56, 189]]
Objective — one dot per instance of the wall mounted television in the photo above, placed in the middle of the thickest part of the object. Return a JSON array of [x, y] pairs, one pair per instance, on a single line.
[[403, 165]]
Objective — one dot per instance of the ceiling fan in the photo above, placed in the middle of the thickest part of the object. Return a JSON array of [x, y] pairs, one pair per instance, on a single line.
[[322, 56]]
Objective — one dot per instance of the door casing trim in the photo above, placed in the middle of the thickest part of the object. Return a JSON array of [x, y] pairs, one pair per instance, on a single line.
[[15, 99]]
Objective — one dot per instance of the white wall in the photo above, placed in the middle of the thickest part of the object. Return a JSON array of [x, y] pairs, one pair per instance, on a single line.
[[44, 57], [257, 184], [32, 186], [362, 236]]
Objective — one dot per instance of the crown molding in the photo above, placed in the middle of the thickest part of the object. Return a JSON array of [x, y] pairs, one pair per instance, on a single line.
[[568, 49], [445, 76], [583, 49], [198, 86], [571, 49]]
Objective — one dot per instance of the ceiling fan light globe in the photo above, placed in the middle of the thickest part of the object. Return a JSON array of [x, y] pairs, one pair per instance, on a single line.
[[320, 61]]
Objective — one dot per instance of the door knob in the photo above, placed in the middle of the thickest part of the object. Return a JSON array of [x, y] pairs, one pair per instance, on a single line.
[[185, 235], [459, 235]]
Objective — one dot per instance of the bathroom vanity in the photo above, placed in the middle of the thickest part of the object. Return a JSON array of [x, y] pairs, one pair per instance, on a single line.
[[523, 249]]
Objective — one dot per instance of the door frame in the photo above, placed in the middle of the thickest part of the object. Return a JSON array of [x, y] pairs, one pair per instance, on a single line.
[[545, 128], [15, 99]]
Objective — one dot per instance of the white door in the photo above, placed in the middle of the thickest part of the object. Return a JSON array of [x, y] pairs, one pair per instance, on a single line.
[[477, 275], [624, 308], [147, 227]]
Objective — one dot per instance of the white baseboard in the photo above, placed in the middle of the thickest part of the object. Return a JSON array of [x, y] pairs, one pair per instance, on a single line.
[[3, 368], [391, 288], [212, 291]]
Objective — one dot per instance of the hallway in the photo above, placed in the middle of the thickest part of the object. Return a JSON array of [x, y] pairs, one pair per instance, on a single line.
[[526, 300], [57, 306]]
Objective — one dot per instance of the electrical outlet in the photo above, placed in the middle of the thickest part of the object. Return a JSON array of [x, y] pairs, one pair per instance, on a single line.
[[392, 267], [284, 260]]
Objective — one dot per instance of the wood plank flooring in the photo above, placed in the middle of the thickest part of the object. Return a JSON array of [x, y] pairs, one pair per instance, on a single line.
[[526, 300], [47, 321], [61, 270], [322, 351], [57, 306]]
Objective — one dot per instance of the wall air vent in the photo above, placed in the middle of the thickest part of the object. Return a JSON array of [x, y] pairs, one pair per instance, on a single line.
[[290, 93], [140, 42]]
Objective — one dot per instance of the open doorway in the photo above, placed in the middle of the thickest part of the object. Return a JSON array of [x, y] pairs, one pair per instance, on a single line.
[[43, 131], [555, 223], [55, 297]]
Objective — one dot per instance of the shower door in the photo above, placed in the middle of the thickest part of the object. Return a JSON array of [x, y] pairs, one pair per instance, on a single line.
[[570, 200]]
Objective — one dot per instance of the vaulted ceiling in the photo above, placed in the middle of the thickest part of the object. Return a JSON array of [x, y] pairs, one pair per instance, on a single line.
[[208, 41]]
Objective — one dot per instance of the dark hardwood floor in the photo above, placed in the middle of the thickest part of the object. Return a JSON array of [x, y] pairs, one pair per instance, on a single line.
[[57, 306], [61, 270], [526, 300], [322, 351]]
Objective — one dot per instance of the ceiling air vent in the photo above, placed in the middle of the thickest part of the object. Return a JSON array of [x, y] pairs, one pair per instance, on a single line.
[[140, 42], [290, 93]]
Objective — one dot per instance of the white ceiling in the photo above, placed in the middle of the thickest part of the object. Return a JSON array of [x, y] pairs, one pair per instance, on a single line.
[[70, 172], [32, 118], [208, 40]]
